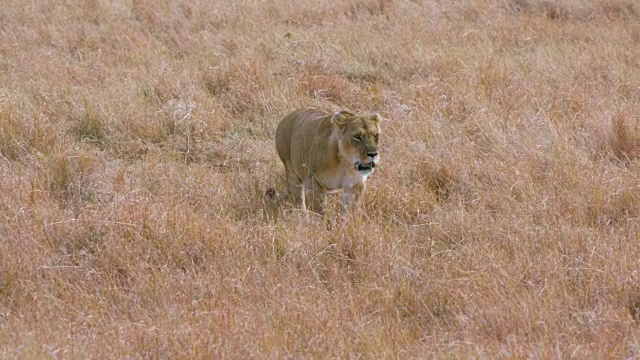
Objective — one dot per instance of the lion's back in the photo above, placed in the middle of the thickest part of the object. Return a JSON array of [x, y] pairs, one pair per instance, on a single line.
[[295, 131]]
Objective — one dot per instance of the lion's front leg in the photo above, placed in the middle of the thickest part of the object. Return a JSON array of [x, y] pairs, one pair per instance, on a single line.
[[296, 190], [316, 194], [352, 198]]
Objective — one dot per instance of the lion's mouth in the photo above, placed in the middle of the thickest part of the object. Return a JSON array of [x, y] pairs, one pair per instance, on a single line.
[[367, 167]]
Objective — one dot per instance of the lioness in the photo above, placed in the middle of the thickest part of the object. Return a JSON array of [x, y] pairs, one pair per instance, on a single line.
[[326, 152]]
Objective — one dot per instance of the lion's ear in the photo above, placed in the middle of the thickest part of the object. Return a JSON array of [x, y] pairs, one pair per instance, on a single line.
[[341, 118], [376, 118]]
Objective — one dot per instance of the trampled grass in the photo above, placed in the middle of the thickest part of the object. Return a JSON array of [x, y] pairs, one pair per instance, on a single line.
[[136, 144]]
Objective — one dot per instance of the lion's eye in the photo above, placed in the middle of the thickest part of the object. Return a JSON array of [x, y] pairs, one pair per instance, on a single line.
[[357, 138], [375, 137]]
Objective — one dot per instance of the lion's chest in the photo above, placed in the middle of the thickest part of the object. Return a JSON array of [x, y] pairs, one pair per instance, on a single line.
[[344, 180]]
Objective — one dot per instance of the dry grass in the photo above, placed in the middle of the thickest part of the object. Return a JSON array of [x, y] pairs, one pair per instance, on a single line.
[[136, 143]]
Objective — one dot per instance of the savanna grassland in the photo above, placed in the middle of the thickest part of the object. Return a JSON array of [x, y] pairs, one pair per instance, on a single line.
[[136, 145]]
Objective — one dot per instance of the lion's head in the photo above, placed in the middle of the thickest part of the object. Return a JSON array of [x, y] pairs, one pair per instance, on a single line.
[[358, 139]]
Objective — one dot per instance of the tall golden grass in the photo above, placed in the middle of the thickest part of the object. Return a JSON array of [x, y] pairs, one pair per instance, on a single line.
[[136, 143]]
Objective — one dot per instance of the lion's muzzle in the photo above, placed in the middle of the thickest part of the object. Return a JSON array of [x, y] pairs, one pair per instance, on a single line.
[[369, 165], [365, 167]]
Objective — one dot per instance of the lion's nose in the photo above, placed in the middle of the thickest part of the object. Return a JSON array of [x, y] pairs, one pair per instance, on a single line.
[[372, 154]]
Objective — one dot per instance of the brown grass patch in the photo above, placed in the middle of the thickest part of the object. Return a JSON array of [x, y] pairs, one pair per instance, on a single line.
[[136, 146]]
